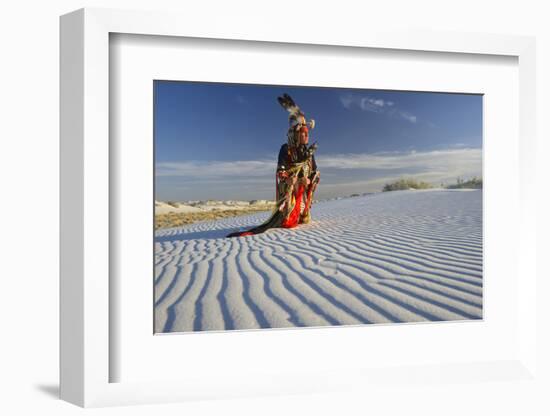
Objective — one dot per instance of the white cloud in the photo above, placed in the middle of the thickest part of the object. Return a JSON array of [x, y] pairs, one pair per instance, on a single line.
[[365, 103], [375, 105], [407, 116], [436, 160], [449, 160], [347, 101], [341, 174], [216, 169]]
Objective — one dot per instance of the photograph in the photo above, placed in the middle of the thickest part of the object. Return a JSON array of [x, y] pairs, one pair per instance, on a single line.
[[280, 206]]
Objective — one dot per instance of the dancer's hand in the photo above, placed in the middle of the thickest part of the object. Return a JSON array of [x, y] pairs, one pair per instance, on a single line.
[[304, 181]]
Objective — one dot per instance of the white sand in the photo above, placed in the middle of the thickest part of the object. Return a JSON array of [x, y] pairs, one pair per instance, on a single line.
[[403, 256]]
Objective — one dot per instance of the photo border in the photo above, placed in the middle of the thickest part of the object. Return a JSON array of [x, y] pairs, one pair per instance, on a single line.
[[85, 216]]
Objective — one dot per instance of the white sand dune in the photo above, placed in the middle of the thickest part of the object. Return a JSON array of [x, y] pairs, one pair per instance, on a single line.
[[164, 208], [404, 256], [205, 206]]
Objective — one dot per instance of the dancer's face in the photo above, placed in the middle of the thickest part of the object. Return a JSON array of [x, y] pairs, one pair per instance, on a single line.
[[303, 135]]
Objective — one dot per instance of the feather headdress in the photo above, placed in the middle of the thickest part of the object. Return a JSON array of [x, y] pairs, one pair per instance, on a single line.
[[296, 117]]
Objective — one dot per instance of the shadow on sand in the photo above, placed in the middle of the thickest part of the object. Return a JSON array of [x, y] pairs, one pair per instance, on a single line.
[[179, 235]]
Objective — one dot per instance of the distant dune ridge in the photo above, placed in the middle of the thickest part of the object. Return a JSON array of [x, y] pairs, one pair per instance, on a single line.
[[174, 214], [402, 256], [210, 205]]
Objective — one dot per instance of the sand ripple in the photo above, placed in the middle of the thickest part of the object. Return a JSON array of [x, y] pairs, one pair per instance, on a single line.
[[392, 257]]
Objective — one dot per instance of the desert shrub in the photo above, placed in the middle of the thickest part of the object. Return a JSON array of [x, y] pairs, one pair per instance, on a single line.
[[474, 183], [403, 184]]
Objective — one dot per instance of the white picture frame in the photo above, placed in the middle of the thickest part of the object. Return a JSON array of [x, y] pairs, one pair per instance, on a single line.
[[86, 356]]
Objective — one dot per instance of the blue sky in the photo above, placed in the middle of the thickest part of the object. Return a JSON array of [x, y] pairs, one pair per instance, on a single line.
[[221, 141]]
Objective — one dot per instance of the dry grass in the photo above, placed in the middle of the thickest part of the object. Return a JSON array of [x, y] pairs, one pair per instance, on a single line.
[[179, 219]]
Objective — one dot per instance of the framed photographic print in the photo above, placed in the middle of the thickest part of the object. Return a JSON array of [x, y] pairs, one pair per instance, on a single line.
[[245, 215], [247, 237]]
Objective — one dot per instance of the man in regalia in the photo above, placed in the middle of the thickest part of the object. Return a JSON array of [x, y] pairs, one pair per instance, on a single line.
[[297, 175]]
